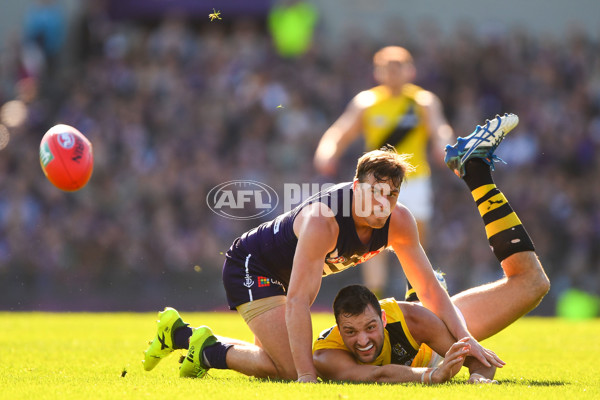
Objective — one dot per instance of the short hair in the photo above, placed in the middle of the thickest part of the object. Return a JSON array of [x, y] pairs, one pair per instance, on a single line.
[[384, 164], [390, 54], [353, 300]]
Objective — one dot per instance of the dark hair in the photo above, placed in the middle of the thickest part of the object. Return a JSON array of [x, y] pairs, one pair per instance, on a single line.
[[384, 164], [353, 300]]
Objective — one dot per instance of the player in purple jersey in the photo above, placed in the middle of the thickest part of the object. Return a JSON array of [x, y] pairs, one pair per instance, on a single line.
[[272, 274]]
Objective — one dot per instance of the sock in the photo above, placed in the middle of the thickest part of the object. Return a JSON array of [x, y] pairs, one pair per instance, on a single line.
[[410, 294], [503, 228], [181, 337], [214, 356]]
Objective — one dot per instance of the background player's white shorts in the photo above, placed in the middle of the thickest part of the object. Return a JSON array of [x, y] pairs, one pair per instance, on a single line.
[[417, 195]]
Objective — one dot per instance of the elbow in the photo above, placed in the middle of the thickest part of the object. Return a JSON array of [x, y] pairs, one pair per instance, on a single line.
[[433, 295], [296, 304], [295, 301]]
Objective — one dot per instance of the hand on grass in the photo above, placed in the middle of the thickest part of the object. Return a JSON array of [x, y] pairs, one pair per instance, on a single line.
[[485, 356], [480, 379], [453, 361], [307, 378]]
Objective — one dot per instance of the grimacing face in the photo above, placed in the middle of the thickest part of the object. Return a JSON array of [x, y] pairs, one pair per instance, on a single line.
[[363, 334], [374, 201]]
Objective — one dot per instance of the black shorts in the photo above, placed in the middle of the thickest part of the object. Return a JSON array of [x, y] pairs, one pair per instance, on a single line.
[[244, 281]]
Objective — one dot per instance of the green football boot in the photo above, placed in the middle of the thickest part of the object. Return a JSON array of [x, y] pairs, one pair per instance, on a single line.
[[192, 365], [162, 345]]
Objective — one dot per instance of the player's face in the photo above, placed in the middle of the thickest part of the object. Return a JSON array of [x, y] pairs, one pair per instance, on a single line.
[[363, 334], [374, 201], [394, 73]]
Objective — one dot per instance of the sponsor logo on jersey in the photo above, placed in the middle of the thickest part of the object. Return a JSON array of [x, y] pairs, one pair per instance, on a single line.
[[333, 258], [263, 281], [367, 256], [276, 282], [337, 260]]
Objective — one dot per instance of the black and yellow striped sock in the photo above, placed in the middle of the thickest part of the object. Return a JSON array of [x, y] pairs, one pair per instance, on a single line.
[[410, 294], [503, 228]]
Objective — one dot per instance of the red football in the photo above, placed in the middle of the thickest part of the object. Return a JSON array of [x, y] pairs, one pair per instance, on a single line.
[[66, 157]]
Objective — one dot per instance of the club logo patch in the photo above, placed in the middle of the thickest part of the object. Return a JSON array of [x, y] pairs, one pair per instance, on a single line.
[[248, 282]]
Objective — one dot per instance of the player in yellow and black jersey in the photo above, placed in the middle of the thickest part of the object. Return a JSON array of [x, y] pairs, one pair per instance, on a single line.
[[388, 332], [401, 114], [399, 346], [378, 342]]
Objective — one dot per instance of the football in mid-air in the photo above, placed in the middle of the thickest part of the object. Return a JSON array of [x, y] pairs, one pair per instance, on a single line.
[[66, 157]]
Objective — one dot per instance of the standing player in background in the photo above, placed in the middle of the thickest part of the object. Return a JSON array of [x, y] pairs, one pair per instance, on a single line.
[[399, 113]]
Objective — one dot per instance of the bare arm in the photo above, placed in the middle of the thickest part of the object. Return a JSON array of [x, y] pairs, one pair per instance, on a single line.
[[404, 239], [426, 327], [317, 235], [339, 365], [438, 128], [335, 141]]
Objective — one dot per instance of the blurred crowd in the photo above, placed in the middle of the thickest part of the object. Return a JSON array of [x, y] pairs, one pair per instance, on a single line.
[[176, 107]]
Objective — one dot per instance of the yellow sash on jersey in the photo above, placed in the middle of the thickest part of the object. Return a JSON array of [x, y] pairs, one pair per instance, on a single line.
[[385, 115]]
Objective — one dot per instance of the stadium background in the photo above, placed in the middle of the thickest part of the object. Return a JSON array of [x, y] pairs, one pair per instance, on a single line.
[[176, 104]]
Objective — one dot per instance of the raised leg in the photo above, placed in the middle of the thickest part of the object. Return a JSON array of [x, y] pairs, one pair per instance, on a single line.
[[492, 307]]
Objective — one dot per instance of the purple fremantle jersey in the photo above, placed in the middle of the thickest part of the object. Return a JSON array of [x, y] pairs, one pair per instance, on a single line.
[[272, 245]]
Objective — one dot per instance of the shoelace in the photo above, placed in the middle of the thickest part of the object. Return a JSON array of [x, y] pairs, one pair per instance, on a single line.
[[491, 159], [484, 135]]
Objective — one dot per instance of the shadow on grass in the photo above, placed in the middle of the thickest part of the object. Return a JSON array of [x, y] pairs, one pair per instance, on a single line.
[[520, 382], [529, 382]]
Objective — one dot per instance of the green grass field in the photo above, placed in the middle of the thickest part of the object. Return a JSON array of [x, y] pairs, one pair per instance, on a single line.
[[83, 355]]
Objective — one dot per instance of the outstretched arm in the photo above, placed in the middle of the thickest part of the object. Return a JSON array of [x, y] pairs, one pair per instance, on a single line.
[[404, 239], [339, 365], [438, 128], [427, 328], [317, 235]]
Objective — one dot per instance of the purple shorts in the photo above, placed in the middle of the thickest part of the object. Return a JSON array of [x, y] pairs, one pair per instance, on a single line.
[[244, 281]]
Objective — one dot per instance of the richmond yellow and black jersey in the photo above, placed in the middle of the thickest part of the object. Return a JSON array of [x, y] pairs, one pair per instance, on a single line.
[[399, 347], [397, 120]]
